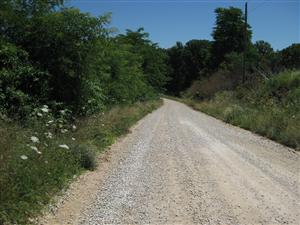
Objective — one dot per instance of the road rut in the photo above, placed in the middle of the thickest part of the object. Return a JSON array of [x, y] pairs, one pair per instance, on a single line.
[[179, 166]]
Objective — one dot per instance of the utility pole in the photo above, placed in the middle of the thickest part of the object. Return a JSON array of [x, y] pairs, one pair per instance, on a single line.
[[245, 42]]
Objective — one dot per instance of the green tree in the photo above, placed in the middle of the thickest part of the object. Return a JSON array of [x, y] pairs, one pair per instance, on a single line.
[[196, 57], [153, 59], [126, 83], [266, 57], [187, 63], [21, 85], [290, 57], [263, 48], [177, 69], [16, 16], [228, 34], [63, 43]]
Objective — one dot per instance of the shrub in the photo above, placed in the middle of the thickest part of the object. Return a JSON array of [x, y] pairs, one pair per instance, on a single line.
[[86, 156], [271, 108], [233, 113], [21, 85], [219, 81], [290, 57]]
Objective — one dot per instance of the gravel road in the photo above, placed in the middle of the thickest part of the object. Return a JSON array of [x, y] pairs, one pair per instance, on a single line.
[[179, 166]]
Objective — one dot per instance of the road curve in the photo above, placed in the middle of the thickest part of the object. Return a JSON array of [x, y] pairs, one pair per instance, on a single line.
[[180, 166]]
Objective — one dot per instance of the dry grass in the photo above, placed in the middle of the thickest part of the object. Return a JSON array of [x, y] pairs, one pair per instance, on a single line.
[[271, 109]]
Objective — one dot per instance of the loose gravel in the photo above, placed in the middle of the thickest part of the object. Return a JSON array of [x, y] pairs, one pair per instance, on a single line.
[[179, 166]]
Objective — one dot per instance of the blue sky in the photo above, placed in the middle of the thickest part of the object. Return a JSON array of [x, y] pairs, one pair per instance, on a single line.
[[168, 21]]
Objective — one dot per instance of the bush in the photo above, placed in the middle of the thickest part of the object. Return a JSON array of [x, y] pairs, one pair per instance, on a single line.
[[219, 81], [86, 156], [290, 57], [270, 108], [45, 154], [231, 113], [22, 86]]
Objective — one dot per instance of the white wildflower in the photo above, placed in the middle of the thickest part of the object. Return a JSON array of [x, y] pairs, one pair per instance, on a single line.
[[73, 139], [63, 131], [48, 135], [35, 149], [45, 110], [24, 157], [62, 111], [45, 106], [50, 121], [74, 127], [64, 146], [34, 139], [46, 162], [39, 114], [102, 124]]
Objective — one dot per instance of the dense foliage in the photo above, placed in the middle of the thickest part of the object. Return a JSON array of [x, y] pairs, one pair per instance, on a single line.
[[271, 108], [186, 63], [57, 67], [54, 55], [218, 64], [61, 68], [209, 75], [41, 159]]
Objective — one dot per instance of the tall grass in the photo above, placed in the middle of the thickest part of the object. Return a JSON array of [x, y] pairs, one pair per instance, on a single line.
[[32, 171], [270, 109]]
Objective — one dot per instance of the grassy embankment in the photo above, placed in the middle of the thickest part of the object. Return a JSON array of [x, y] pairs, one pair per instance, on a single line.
[[37, 161], [271, 108]]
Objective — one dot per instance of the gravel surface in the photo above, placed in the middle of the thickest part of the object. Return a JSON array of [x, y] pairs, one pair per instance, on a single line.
[[179, 166]]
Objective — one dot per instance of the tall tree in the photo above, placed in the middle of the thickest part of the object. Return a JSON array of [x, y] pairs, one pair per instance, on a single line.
[[290, 57], [263, 48], [177, 69], [266, 57], [196, 56], [153, 59], [62, 43], [228, 34], [187, 63], [16, 16]]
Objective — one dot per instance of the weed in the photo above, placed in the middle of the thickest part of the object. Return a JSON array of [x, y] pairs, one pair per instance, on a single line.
[[272, 109], [38, 160], [86, 156]]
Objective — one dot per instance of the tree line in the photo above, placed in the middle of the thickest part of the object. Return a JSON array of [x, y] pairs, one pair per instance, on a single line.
[[59, 56], [219, 63], [55, 55]]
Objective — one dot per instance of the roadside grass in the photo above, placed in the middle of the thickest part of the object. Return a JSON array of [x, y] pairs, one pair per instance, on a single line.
[[271, 109], [32, 171]]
